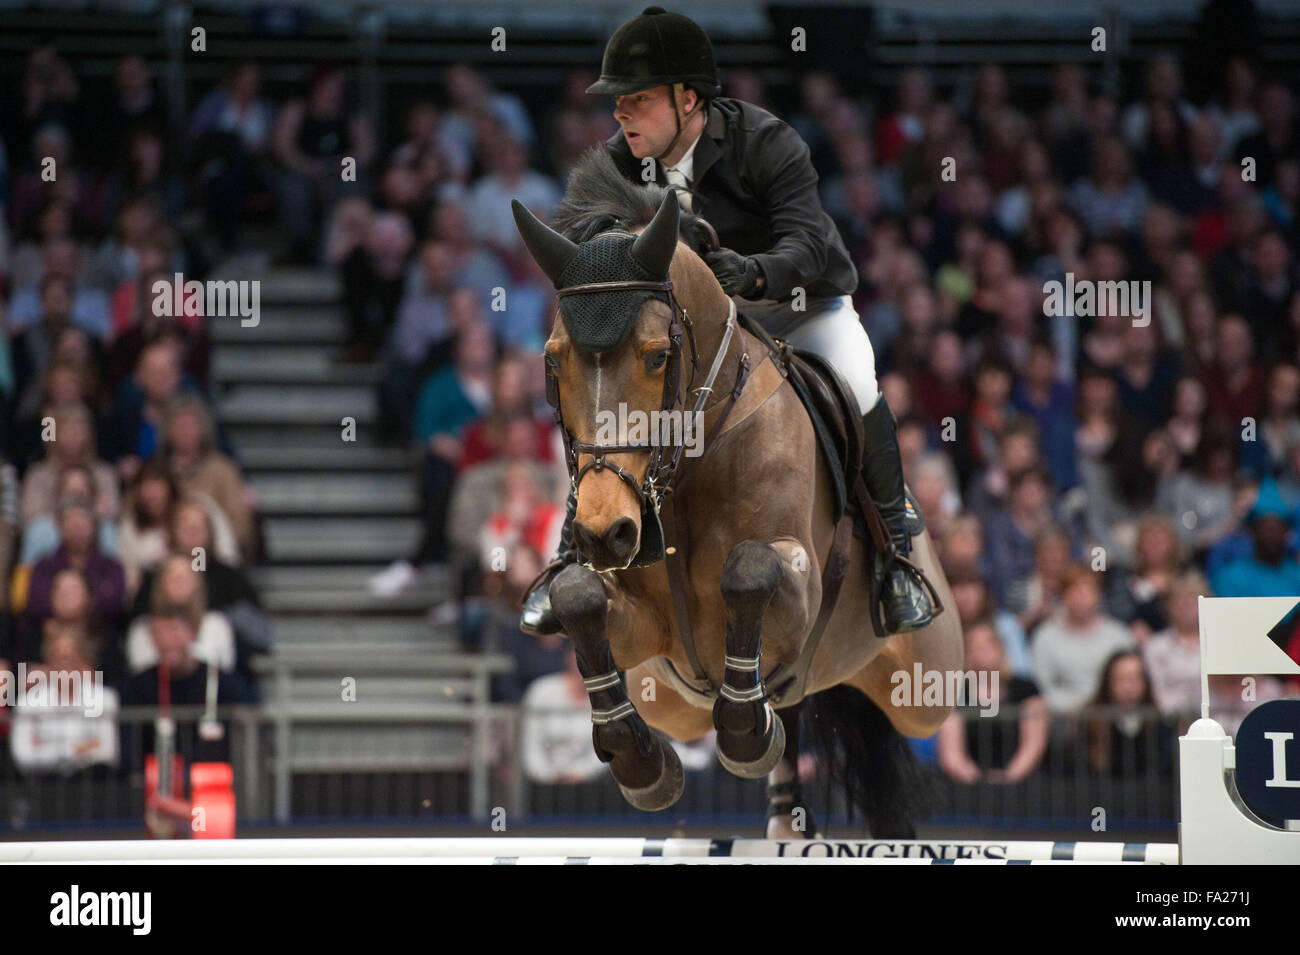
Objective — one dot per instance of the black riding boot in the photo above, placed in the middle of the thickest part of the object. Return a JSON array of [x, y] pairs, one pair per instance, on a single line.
[[538, 618], [905, 603]]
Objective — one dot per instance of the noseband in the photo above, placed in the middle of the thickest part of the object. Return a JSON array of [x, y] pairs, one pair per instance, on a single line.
[[651, 490]]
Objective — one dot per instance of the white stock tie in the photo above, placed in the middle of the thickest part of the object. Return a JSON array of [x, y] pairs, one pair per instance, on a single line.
[[677, 178]]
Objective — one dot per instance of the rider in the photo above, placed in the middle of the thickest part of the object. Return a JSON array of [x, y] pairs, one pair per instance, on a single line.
[[749, 174]]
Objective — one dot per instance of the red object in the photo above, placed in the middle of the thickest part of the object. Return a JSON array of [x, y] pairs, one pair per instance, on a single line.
[[159, 797], [537, 533], [937, 399], [213, 795], [984, 417], [209, 813], [151, 777], [173, 806], [1247, 402], [165, 808], [891, 140], [1209, 234], [124, 305], [479, 445]]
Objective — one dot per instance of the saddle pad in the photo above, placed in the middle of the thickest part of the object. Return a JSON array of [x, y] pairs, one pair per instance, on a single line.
[[819, 403], [832, 409]]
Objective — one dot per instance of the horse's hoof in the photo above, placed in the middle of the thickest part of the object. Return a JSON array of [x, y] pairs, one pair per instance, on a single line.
[[765, 763], [666, 790]]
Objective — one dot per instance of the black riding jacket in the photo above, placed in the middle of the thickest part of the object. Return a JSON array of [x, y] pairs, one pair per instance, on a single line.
[[755, 184]]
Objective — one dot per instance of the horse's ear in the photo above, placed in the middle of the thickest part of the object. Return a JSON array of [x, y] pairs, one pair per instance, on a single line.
[[655, 246], [551, 250]]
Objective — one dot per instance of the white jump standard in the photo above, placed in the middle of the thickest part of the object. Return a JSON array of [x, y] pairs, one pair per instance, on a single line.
[[1217, 827]]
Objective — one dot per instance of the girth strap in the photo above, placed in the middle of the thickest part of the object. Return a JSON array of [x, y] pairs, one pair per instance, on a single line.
[[786, 684], [677, 587]]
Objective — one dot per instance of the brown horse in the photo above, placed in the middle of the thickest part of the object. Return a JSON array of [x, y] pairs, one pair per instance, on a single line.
[[750, 521]]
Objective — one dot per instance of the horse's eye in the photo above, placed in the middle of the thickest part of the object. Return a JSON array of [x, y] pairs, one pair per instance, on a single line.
[[552, 364], [655, 360]]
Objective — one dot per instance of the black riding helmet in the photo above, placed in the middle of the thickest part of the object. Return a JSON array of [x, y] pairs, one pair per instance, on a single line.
[[658, 48]]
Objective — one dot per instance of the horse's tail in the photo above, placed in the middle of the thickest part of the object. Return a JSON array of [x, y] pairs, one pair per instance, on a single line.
[[868, 760]]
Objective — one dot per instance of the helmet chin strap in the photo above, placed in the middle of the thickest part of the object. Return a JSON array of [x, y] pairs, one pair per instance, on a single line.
[[677, 118]]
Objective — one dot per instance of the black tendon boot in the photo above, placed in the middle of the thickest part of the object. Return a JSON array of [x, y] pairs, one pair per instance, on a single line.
[[538, 618], [903, 599]]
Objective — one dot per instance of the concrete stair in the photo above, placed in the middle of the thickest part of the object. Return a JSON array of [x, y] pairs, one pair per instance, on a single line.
[[312, 325], [307, 364], [324, 404], [326, 540], [357, 492], [258, 454], [304, 441], [334, 514]]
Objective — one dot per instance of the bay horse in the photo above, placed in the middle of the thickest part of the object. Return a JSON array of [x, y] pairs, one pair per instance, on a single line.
[[751, 522]]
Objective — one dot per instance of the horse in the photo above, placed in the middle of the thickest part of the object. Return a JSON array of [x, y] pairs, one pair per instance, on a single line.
[[752, 529]]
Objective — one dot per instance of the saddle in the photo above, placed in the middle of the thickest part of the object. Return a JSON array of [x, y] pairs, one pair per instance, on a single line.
[[833, 411]]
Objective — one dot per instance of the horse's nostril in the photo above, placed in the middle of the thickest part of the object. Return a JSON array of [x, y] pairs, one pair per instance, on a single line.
[[621, 537]]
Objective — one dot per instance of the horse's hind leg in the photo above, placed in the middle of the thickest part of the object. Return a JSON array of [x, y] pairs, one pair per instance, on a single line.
[[642, 761], [938, 648], [750, 737], [788, 817]]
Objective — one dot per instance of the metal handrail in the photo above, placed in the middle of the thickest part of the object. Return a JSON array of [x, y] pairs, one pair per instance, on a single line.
[[494, 756], [431, 662]]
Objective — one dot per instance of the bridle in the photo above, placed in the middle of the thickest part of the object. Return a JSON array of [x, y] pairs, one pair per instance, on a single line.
[[662, 469]]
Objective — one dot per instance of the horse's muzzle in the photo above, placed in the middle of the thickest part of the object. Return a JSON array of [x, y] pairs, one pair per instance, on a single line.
[[614, 549]]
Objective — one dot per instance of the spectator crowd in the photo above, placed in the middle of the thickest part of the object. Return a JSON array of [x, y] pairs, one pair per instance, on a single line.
[[126, 524]]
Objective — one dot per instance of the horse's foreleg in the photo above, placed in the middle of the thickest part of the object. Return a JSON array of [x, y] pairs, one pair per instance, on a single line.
[[788, 817], [643, 763], [750, 737]]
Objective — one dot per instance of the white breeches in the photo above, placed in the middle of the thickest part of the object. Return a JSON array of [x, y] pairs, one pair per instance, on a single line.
[[829, 327]]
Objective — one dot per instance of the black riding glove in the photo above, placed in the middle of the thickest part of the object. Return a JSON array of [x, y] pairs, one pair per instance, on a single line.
[[736, 274]]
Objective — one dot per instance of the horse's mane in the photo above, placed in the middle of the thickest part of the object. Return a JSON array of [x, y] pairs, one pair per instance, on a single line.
[[599, 197]]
